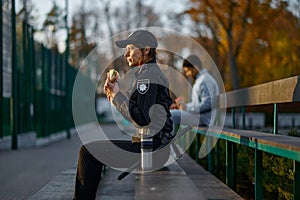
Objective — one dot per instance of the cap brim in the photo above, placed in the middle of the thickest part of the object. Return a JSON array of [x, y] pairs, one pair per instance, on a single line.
[[124, 43]]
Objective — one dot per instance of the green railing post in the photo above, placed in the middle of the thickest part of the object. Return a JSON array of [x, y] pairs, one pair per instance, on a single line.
[[24, 81], [231, 158], [48, 102], [233, 117], [218, 149], [67, 99], [1, 73], [231, 164], [244, 117], [275, 128], [197, 147], [62, 97], [296, 180], [32, 80], [258, 174], [30, 84], [14, 144], [210, 167], [67, 88], [45, 76], [190, 149], [44, 90], [55, 94]]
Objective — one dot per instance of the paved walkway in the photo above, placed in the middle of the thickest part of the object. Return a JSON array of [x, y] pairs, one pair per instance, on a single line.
[[48, 173], [23, 172]]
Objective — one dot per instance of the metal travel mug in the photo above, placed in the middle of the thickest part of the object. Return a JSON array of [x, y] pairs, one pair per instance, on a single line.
[[146, 152]]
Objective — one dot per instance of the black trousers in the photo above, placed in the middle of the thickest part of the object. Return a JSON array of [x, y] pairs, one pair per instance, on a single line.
[[118, 153]]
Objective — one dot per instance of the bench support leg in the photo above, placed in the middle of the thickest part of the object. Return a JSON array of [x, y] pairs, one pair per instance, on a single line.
[[198, 142], [296, 180], [218, 150], [258, 174], [231, 164], [210, 161]]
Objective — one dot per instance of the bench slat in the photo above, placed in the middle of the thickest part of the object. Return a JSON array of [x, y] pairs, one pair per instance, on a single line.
[[285, 146]]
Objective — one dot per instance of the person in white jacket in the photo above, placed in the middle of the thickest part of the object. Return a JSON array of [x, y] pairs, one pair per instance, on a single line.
[[205, 90]]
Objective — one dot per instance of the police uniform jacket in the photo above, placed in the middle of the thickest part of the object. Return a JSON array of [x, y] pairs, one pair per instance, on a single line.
[[147, 102]]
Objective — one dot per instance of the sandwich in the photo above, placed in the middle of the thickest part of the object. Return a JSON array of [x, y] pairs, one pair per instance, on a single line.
[[113, 75]]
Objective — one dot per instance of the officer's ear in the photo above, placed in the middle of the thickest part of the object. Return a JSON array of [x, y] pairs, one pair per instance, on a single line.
[[146, 50]]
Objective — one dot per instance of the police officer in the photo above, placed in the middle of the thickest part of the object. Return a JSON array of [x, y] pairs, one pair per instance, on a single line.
[[146, 104]]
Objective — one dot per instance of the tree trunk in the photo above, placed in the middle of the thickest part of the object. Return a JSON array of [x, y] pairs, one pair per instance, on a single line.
[[235, 82]]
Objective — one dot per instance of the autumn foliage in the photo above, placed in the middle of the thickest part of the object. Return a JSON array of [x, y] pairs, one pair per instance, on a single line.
[[252, 42]]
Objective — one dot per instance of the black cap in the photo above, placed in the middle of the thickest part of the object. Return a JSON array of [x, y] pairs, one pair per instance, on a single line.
[[141, 38], [192, 61]]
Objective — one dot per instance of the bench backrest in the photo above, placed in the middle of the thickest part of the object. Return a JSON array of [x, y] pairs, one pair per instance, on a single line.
[[280, 91]]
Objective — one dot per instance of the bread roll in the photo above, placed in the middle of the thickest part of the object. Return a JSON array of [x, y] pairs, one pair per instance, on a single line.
[[113, 75]]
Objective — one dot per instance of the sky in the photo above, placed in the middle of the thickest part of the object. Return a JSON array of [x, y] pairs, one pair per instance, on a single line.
[[44, 6]]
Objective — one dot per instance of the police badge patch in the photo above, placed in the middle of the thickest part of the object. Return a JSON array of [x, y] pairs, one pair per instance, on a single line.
[[143, 85]]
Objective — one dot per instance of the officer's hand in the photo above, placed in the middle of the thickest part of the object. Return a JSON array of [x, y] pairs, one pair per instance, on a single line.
[[107, 92], [115, 89], [111, 89]]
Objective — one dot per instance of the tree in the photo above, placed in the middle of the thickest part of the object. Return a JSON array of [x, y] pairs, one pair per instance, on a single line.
[[82, 43], [271, 47], [89, 26], [229, 28], [26, 12], [53, 23], [226, 22], [133, 14]]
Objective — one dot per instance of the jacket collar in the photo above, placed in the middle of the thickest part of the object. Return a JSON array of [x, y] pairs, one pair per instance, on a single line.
[[145, 66], [203, 71]]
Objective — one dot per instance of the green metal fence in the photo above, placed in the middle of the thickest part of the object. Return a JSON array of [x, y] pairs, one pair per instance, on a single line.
[[35, 82]]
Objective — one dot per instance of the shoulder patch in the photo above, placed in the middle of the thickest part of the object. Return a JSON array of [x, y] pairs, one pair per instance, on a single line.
[[143, 85]]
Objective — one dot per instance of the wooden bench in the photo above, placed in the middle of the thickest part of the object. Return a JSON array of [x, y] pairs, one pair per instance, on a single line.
[[281, 91], [186, 176], [184, 179]]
